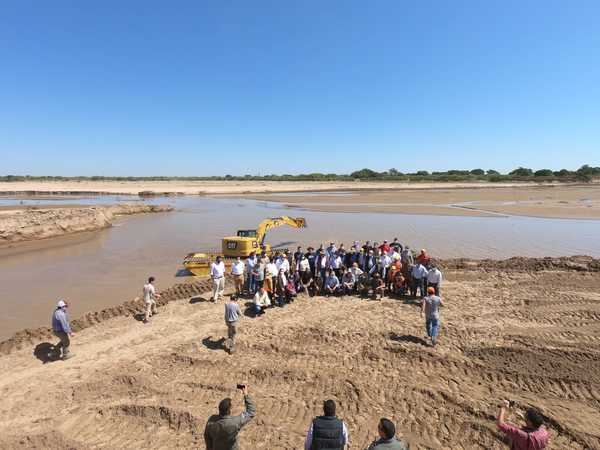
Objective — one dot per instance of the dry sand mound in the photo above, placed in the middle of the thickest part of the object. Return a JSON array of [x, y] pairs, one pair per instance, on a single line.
[[32, 223], [524, 335]]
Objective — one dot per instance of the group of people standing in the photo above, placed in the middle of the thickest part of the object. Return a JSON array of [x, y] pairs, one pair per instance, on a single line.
[[367, 269]]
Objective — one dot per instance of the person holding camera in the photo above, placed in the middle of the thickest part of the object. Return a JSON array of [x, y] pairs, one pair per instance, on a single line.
[[221, 431], [327, 432], [387, 437], [533, 436]]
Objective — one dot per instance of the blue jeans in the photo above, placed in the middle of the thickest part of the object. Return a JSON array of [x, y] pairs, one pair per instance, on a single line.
[[433, 327], [251, 284]]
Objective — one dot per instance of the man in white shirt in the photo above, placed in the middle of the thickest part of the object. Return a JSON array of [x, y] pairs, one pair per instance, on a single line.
[[281, 262], [150, 297], [385, 261], [270, 277], [434, 279], [237, 270], [261, 301], [217, 273]]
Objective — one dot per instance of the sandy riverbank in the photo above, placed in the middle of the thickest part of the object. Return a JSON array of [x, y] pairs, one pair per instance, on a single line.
[[570, 202], [226, 187], [524, 329], [18, 224]]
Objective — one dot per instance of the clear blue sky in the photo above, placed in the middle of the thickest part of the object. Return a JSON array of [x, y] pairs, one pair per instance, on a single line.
[[211, 88]]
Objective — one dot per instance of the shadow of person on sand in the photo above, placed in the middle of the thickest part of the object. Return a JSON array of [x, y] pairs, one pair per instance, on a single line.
[[198, 299], [408, 338], [211, 344], [46, 352], [249, 309]]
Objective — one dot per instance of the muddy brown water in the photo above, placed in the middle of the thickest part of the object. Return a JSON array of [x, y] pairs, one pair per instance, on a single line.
[[105, 268]]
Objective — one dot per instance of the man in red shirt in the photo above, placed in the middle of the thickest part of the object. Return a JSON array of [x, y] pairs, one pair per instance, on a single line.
[[385, 248], [533, 436], [424, 258]]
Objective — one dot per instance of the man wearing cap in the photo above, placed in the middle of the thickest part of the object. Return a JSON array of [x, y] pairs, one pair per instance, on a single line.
[[431, 307], [62, 329], [387, 437]]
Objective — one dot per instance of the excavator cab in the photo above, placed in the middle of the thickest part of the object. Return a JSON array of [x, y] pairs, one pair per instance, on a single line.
[[234, 246], [247, 233]]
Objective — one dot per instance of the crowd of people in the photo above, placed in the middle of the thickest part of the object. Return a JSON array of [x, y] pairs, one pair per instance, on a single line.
[[368, 270], [328, 432]]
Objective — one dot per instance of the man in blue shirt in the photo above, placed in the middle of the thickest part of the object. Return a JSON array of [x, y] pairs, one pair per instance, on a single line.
[[62, 329]]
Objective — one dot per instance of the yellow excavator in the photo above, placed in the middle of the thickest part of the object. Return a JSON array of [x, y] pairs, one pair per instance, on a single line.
[[243, 244]]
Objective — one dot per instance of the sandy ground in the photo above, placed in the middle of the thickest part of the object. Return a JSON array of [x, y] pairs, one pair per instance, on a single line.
[[28, 223], [510, 330], [222, 187], [572, 202]]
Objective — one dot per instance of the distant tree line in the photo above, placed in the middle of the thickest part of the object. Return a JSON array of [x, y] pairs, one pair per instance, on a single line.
[[585, 173]]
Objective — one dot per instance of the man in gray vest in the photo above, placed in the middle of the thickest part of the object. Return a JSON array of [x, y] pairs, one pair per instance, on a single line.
[[387, 437], [327, 432]]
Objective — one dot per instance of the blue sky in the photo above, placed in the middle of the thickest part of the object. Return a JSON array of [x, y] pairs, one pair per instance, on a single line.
[[237, 87]]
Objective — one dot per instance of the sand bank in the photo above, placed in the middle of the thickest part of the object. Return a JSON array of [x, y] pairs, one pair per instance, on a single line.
[[223, 187], [522, 329], [571, 202], [19, 224]]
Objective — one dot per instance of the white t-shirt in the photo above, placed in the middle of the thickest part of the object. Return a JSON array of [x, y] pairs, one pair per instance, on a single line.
[[149, 292], [283, 263], [237, 268], [272, 270], [217, 270]]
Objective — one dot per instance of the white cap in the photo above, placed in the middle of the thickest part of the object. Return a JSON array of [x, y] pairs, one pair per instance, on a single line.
[[61, 304]]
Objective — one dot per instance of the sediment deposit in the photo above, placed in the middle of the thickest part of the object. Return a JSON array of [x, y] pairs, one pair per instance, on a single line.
[[33, 223]]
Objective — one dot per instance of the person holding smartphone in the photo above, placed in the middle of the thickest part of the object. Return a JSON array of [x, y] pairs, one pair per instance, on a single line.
[[533, 436], [221, 431]]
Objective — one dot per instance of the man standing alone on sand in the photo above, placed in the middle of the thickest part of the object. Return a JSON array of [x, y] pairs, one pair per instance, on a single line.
[[217, 273], [233, 313], [150, 297], [431, 308], [62, 329]]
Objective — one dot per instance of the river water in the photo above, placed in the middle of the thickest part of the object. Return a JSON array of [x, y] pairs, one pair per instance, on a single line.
[[100, 269]]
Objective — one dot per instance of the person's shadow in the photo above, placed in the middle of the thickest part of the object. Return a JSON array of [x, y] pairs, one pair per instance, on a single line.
[[198, 299], [408, 338], [46, 352], [212, 344]]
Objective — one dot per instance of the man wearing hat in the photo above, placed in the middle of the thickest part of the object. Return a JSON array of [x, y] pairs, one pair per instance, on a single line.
[[62, 329]]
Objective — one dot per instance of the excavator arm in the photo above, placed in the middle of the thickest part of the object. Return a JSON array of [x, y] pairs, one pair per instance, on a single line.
[[267, 224]]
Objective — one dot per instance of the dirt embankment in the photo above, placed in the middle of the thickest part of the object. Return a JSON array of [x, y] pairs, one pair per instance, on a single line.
[[520, 329], [32, 224], [127, 308]]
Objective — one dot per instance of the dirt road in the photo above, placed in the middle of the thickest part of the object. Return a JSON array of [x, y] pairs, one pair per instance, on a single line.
[[507, 332]]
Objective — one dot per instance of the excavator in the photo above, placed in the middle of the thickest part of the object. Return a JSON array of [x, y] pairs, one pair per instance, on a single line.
[[244, 243]]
